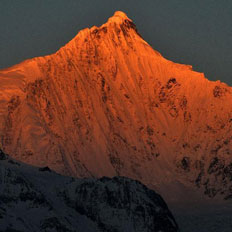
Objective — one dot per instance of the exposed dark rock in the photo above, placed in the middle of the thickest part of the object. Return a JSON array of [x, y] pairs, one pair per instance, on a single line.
[[218, 91], [185, 163], [215, 165], [45, 169], [171, 82], [3, 156]]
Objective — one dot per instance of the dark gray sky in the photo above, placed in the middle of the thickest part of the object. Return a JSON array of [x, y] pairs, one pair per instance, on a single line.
[[196, 32]]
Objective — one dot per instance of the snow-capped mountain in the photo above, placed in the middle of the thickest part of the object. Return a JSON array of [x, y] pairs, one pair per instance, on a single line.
[[37, 199], [107, 104]]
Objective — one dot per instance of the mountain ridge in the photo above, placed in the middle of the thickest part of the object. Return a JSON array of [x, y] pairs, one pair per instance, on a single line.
[[38, 199]]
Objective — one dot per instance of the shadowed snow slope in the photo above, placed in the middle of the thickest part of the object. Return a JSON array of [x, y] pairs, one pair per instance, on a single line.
[[37, 199], [107, 104]]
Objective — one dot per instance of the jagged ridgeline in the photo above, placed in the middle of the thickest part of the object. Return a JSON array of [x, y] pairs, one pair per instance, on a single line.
[[107, 104]]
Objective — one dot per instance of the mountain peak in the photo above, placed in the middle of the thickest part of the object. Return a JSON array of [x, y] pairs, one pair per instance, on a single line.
[[120, 14], [117, 23], [119, 17]]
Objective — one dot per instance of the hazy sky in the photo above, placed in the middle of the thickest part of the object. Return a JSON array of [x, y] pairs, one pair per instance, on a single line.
[[196, 32]]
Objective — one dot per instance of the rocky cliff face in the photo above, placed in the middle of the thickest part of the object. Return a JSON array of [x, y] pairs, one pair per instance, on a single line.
[[37, 199], [107, 104]]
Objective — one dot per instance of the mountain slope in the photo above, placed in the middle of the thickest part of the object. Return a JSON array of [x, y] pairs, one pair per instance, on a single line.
[[36, 199], [107, 104]]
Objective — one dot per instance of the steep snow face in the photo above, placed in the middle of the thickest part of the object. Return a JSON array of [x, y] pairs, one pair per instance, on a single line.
[[107, 104], [36, 199]]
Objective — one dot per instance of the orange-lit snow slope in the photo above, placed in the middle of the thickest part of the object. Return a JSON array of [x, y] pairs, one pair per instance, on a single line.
[[108, 104]]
